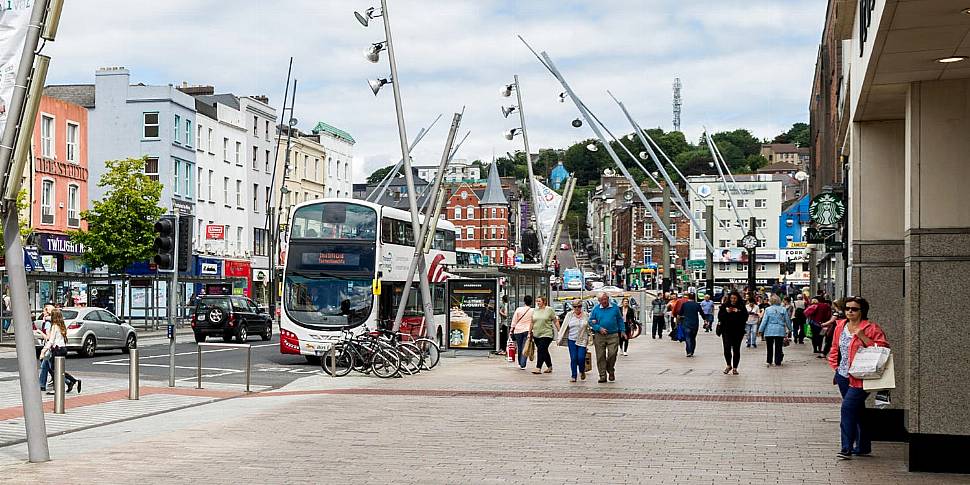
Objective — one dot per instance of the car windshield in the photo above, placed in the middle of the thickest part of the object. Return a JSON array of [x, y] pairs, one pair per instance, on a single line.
[[206, 304], [327, 301]]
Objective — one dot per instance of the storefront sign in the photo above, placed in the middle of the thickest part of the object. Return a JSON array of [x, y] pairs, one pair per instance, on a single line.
[[182, 208], [472, 321], [58, 244], [61, 168], [32, 260], [827, 209], [240, 272], [796, 255], [215, 231], [208, 266]]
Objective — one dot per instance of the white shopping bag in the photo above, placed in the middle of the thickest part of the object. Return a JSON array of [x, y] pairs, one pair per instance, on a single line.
[[886, 381], [869, 363]]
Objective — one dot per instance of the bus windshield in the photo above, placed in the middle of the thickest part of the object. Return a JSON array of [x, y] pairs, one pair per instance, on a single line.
[[327, 301], [335, 220]]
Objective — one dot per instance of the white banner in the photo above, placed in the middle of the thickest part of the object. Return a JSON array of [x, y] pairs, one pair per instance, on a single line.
[[547, 208], [14, 17]]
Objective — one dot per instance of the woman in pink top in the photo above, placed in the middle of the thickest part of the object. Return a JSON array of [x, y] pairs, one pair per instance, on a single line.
[[521, 324]]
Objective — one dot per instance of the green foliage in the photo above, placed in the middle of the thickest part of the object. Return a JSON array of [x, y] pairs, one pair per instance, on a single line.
[[22, 217], [121, 226], [379, 175], [799, 134]]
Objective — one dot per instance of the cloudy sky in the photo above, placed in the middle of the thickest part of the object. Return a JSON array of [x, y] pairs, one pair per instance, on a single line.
[[743, 63]]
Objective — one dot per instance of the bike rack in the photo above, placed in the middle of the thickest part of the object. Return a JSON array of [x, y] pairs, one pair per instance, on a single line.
[[249, 360]]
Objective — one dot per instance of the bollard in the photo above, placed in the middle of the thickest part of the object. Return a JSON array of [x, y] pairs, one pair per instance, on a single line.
[[249, 363], [333, 360], [133, 386], [198, 370], [59, 385]]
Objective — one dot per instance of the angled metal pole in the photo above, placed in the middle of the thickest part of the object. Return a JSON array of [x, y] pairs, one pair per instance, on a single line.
[[408, 175], [717, 164], [371, 197], [528, 158], [727, 168], [547, 61], [670, 183], [271, 226], [680, 174], [427, 200], [429, 225], [560, 219]]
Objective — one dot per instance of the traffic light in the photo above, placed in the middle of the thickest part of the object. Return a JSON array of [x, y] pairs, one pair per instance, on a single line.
[[184, 242], [165, 243]]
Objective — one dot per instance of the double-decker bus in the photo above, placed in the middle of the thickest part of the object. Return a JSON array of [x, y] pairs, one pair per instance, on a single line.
[[346, 262], [470, 258]]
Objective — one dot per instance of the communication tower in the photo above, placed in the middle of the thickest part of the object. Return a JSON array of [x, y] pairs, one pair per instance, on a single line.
[[678, 103]]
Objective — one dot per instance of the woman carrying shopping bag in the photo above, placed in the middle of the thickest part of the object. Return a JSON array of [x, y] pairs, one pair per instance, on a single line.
[[56, 346], [544, 326], [575, 335], [851, 334], [521, 324]]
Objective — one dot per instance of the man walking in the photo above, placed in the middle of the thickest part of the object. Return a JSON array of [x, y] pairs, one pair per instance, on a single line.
[[607, 325], [708, 306], [691, 313]]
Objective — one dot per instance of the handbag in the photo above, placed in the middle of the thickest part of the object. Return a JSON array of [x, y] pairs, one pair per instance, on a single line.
[[717, 329], [869, 362], [589, 360], [808, 330], [530, 349], [886, 381], [786, 342]]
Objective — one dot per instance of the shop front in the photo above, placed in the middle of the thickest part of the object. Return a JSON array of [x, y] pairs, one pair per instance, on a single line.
[[239, 274], [58, 253]]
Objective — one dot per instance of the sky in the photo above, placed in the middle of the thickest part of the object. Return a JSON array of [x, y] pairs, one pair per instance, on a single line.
[[743, 63]]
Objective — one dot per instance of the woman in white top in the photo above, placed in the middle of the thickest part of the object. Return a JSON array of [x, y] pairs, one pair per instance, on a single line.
[[754, 318], [55, 346], [575, 334]]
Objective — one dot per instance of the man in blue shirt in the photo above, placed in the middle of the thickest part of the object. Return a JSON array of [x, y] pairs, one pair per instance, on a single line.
[[708, 306], [607, 324], [692, 313]]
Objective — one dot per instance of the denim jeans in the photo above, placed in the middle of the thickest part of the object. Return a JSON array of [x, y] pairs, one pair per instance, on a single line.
[[690, 337], [46, 367], [577, 358], [752, 329], [855, 440], [520, 339]]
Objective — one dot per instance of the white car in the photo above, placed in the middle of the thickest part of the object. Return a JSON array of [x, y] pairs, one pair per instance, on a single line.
[[590, 275], [611, 289], [598, 285], [90, 329]]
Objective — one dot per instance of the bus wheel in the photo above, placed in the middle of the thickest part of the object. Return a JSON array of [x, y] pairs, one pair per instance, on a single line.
[[312, 359]]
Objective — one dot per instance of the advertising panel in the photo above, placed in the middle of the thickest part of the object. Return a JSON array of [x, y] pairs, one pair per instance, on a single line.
[[471, 319], [102, 296]]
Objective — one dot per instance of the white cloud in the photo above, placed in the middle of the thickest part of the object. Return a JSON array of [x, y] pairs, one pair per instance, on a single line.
[[744, 63]]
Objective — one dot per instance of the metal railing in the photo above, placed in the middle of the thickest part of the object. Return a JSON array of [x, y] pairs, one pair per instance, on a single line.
[[249, 360]]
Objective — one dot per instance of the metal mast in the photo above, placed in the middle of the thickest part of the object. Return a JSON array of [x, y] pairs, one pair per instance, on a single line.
[[678, 103]]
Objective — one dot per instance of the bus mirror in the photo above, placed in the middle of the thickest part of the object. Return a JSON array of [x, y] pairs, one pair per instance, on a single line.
[[376, 286]]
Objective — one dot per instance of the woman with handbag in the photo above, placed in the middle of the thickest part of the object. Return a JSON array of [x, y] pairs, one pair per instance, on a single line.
[[629, 320], [521, 325], [575, 335], [731, 320], [55, 346], [853, 333], [776, 329], [544, 326]]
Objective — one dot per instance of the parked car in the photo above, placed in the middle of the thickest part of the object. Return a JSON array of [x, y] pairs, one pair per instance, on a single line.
[[564, 246], [90, 329], [230, 317], [611, 289]]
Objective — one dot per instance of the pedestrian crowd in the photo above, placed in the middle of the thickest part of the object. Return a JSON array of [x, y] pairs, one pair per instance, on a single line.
[[836, 330]]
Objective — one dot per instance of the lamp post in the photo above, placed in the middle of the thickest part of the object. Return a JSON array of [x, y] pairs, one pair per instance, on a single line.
[[506, 92], [373, 55]]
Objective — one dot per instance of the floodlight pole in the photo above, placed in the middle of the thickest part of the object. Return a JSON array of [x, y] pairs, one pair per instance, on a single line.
[[36, 428], [528, 163], [408, 176], [272, 225]]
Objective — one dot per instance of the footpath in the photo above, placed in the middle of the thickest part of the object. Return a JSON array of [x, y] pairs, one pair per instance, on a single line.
[[476, 419]]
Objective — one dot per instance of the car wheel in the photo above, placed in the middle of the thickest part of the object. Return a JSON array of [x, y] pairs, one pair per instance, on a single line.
[[199, 338], [130, 343], [89, 347], [242, 335], [268, 333]]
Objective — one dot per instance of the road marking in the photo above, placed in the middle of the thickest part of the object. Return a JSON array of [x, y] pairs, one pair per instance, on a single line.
[[194, 352], [166, 366]]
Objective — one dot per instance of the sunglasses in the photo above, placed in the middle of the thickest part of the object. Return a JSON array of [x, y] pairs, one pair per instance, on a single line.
[[853, 309]]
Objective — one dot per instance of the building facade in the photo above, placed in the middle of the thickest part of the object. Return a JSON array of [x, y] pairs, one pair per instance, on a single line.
[[339, 147], [638, 244]]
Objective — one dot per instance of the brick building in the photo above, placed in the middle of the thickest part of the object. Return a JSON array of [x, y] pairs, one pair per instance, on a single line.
[[481, 216], [637, 242]]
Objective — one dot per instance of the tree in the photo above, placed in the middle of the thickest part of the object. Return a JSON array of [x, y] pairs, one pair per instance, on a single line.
[[25, 230], [121, 226], [798, 134], [378, 175]]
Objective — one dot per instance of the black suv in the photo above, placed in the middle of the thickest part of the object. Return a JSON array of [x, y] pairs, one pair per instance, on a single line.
[[231, 317]]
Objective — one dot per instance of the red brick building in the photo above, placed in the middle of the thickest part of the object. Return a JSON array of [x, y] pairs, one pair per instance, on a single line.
[[481, 215], [636, 239]]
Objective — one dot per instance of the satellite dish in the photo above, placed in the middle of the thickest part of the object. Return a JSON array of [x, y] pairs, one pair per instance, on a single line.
[[801, 176]]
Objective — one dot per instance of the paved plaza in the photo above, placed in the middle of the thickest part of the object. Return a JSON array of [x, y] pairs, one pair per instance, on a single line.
[[667, 419]]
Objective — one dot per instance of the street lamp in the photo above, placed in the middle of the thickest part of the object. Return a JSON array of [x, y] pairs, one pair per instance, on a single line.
[[507, 90], [592, 147], [368, 15], [507, 111], [377, 84], [512, 133], [373, 53]]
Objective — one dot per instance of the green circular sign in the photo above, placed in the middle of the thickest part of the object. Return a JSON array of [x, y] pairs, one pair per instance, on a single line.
[[827, 209]]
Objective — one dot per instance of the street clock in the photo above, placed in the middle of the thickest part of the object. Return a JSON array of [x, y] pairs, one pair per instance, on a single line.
[[749, 241]]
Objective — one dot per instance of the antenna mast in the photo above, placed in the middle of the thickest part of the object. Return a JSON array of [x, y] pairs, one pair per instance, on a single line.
[[678, 103]]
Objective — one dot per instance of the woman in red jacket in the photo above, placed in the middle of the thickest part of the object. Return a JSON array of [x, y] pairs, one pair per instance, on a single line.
[[852, 334]]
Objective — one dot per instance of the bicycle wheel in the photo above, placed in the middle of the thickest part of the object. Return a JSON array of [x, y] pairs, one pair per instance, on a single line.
[[411, 358], [344, 362], [430, 351], [385, 363]]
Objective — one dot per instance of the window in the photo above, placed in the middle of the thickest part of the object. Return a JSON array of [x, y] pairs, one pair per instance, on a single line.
[[724, 224], [187, 173], [494, 212], [47, 202], [267, 129], [471, 212], [762, 222], [457, 215], [648, 230], [266, 169], [238, 153], [151, 168], [346, 171], [239, 238], [46, 136], [306, 167], [198, 184], [225, 150], [741, 202], [789, 222], [208, 143], [239, 194], [723, 243], [723, 266], [724, 204], [470, 232], [256, 198], [762, 267], [760, 203], [211, 174], [255, 126], [255, 154], [338, 169], [71, 142], [175, 128], [741, 267], [72, 206], [198, 139], [150, 125], [188, 132], [260, 242], [330, 167], [175, 181], [789, 238], [225, 191], [316, 169]]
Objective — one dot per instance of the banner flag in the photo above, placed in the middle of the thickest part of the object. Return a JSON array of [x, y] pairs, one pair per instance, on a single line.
[[14, 18], [547, 208]]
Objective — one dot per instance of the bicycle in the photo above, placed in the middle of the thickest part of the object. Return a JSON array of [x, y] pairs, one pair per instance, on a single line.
[[365, 353]]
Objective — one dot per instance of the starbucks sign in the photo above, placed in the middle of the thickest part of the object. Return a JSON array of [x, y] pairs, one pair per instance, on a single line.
[[827, 209]]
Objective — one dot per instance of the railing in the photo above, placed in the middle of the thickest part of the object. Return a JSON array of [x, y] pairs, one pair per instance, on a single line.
[[249, 360]]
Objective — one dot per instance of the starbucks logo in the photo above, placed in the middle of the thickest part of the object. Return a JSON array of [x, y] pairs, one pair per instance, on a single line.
[[827, 209]]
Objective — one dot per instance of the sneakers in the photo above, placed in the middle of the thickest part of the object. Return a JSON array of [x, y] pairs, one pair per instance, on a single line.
[[624, 353], [844, 455], [537, 371], [572, 379]]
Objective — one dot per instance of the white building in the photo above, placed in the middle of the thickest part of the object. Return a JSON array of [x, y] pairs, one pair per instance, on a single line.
[[339, 148], [756, 196], [459, 170], [260, 120]]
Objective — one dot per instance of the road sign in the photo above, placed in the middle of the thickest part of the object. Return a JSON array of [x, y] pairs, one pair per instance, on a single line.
[[696, 264], [834, 247]]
